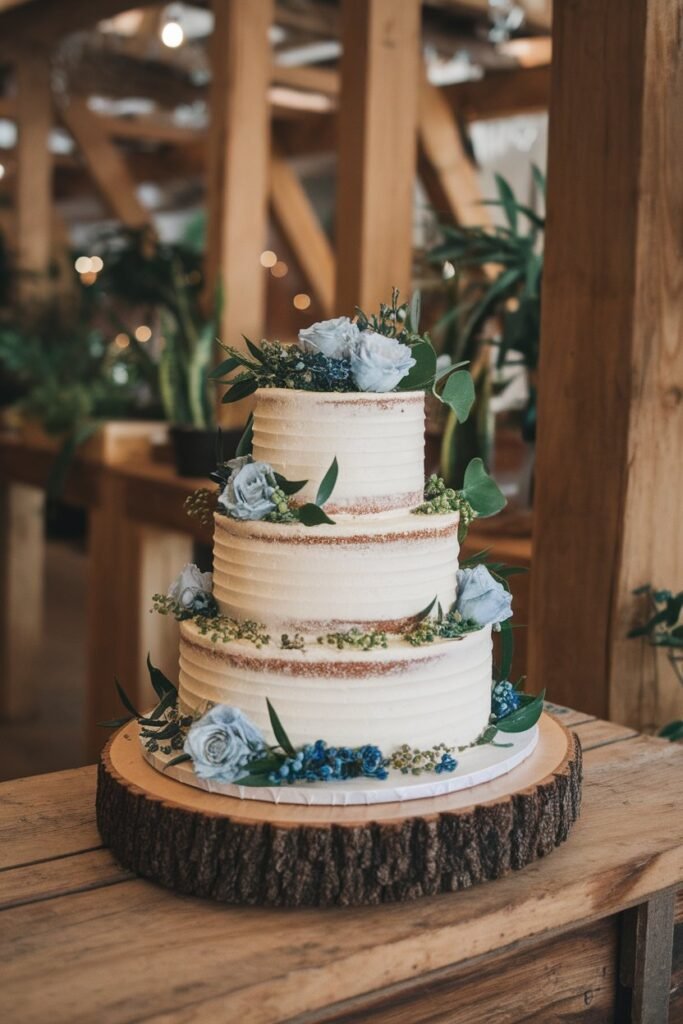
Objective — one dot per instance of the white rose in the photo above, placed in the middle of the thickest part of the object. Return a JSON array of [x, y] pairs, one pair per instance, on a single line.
[[335, 338]]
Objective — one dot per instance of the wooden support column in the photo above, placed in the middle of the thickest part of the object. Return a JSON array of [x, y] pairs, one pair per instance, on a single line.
[[238, 173], [302, 229], [106, 164], [34, 174], [647, 934], [609, 473], [381, 68]]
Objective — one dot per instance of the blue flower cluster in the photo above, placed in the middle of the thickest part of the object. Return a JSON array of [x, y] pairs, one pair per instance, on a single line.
[[319, 763], [447, 764], [504, 699]]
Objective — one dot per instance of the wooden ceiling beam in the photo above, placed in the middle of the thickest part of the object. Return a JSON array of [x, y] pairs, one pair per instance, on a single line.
[[501, 94]]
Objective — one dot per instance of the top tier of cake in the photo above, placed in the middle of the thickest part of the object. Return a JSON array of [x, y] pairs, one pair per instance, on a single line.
[[378, 441]]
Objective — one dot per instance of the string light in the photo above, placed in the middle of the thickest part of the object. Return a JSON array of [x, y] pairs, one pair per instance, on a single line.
[[268, 258], [88, 278], [96, 264], [143, 333], [279, 269], [301, 301], [2, 171], [448, 270], [172, 35], [122, 341], [83, 265]]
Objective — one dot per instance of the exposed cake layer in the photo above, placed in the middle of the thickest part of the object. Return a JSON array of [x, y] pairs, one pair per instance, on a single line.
[[439, 693], [378, 571], [378, 441]]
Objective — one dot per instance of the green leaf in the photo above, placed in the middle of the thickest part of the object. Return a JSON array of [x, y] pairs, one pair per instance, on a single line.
[[539, 178], [269, 763], [114, 723], [240, 389], [422, 374], [123, 697], [162, 685], [246, 441], [414, 311], [258, 779], [289, 486], [421, 616], [458, 393], [167, 701], [280, 734], [167, 733], [311, 515], [327, 483], [508, 201], [227, 366], [672, 731], [523, 718], [481, 490], [180, 759], [255, 351]]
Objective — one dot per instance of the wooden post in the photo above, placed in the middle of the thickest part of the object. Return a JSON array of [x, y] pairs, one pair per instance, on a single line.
[[609, 473], [381, 69], [34, 174], [647, 934], [238, 154]]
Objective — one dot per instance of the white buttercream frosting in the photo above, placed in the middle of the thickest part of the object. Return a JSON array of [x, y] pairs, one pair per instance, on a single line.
[[378, 441], [365, 570], [439, 693]]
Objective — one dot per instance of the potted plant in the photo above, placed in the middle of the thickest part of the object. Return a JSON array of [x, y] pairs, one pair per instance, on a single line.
[[495, 295]]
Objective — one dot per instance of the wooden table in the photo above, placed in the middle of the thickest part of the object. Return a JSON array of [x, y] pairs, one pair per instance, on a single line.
[[583, 936]]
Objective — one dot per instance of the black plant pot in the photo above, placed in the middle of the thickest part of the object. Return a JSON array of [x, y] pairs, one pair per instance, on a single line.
[[197, 452]]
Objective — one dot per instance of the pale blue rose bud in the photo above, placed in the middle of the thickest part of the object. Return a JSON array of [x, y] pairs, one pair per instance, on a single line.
[[249, 491], [336, 338], [188, 585], [380, 363], [481, 597], [222, 743]]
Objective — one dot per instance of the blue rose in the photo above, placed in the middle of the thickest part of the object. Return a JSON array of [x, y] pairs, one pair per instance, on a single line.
[[191, 587], [336, 338], [379, 363], [222, 743], [249, 490], [481, 597]]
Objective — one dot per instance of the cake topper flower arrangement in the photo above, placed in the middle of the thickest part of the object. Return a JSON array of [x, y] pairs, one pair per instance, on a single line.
[[375, 353]]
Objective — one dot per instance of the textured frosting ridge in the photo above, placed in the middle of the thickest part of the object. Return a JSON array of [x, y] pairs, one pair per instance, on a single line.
[[388, 696], [379, 571], [378, 441]]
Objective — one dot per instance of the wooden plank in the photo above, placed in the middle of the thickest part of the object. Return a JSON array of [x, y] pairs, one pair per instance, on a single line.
[[501, 94], [610, 410], [324, 80], [302, 229], [597, 733], [568, 980], [61, 804], [446, 168], [105, 162], [380, 72], [239, 160], [645, 960], [22, 564], [61, 876], [283, 963], [33, 194]]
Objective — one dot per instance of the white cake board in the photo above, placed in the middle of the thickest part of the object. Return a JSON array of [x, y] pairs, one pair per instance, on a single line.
[[476, 765]]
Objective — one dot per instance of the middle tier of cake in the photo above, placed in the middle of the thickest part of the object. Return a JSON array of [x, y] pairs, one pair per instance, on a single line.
[[372, 572], [388, 696]]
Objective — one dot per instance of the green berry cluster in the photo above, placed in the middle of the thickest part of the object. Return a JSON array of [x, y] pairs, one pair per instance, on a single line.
[[450, 627], [355, 638], [440, 499], [225, 629], [283, 512], [201, 505], [292, 643], [410, 761]]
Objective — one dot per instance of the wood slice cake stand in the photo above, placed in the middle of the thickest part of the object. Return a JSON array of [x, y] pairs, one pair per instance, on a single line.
[[250, 852]]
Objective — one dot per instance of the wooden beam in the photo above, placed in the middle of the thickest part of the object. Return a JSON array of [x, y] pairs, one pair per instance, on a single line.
[[34, 175], [380, 69], [609, 472], [445, 167], [501, 94], [302, 229], [106, 163], [42, 23], [239, 161], [324, 80]]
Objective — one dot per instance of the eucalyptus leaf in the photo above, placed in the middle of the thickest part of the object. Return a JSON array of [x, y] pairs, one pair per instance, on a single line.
[[180, 759], [312, 515], [227, 366], [481, 490], [123, 697], [240, 389], [421, 616], [259, 779], [255, 351], [162, 685], [327, 484], [421, 375], [524, 717], [289, 486], [414, 311], [167, 733], [280, 734], [458, 393]]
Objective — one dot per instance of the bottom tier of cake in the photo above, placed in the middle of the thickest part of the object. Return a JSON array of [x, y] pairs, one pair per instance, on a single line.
[[388, 696]]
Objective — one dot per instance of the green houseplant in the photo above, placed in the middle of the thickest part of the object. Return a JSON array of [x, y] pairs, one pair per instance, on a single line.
[[495, 296]]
